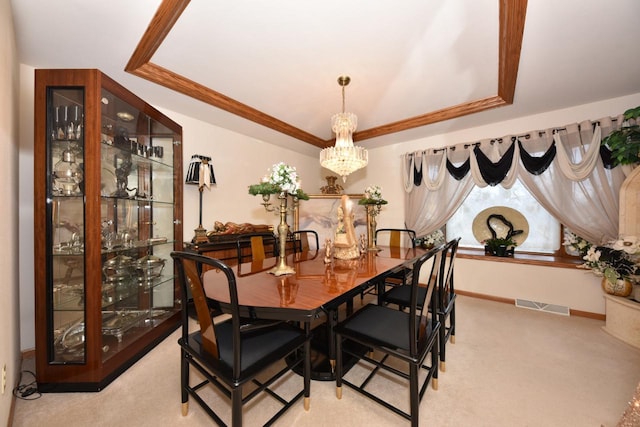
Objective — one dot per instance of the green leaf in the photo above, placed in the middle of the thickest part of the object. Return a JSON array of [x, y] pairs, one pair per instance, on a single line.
[[611, 274]]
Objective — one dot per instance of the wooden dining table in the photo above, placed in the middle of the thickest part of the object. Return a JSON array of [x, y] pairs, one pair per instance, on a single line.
[[316, 289]]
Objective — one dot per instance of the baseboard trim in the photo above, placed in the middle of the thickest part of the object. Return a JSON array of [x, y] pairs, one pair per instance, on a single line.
[[572, 312]]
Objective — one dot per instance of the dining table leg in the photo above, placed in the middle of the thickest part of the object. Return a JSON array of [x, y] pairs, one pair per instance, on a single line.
[[332, 321]]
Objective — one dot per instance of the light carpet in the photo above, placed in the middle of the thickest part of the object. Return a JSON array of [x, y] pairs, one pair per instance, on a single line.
[[509, 367]]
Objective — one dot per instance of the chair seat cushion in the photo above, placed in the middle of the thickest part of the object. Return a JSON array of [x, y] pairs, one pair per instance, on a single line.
[[259, 348], [382, 326], [401, 295]]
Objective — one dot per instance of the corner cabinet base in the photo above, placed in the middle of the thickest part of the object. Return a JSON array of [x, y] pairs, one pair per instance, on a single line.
[[81, 387], [623, 319]]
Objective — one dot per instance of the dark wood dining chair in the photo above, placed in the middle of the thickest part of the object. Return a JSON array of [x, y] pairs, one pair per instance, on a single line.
[[446, 295], [447, 299], [302, 240], [259, 245], [395, 243], [408, 336], [232, 354]]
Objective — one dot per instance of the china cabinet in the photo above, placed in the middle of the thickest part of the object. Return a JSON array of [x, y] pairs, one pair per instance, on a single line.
[[107, 172]]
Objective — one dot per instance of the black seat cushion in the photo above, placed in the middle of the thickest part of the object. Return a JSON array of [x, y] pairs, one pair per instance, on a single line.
[[379, 325], [258, 348], [401, 295]]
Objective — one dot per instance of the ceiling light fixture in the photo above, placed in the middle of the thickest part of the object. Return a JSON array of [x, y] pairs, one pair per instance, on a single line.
[[344, 158]]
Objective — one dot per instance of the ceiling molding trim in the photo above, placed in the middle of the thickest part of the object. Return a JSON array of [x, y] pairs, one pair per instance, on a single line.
[[432, 117], [512, 20], [179, 83], [161, 24]]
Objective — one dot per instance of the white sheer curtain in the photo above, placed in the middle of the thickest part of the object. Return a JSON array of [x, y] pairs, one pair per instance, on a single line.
[[429, 205], [576, 188]]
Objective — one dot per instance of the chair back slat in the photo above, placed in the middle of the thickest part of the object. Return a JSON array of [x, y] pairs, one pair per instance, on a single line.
[[426, 268], [207, 331], [301, 240], [189, 267], [396, 235], [394, 239], [257, 248], [445, 285], [261, 245]]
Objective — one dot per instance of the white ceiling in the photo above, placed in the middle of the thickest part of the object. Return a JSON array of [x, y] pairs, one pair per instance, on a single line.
[[405, 58]]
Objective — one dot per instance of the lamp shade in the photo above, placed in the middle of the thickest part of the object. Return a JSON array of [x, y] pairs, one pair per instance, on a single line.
[[200, 171]]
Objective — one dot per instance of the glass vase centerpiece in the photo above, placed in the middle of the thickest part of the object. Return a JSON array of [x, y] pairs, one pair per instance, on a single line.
[[372, 201], [281, 180]]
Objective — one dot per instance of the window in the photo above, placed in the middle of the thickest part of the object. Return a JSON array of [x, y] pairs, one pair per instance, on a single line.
[[544, 230]]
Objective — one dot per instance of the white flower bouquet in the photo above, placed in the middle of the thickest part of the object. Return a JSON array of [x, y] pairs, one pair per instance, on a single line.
[[372, 196], [281, 178]]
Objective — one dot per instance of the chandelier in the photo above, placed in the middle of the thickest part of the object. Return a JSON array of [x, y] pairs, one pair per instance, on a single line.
[[344, 158]]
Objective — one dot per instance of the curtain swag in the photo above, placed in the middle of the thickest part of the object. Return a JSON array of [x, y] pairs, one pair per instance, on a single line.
[[550, 164], [493, 171]]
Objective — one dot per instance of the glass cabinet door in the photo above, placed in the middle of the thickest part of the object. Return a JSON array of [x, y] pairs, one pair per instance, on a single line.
[[65, 205], [137, 234]]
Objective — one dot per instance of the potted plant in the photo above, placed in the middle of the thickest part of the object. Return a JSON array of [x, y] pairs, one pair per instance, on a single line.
[[617, 263], [624, 143], [499, 246]]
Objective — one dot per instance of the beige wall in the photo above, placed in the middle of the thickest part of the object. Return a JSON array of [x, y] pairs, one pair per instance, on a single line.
[[9, 312]]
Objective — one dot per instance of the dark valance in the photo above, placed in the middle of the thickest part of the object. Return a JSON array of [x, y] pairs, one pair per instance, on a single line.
[[537, 165], [417, 175], [459, 172], [605, 155], [494, 173]]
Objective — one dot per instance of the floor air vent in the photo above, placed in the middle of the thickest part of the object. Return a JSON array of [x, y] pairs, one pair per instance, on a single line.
[[542, 306]]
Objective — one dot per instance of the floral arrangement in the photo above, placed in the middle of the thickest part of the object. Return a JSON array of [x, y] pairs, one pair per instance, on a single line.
[[431, 240], [281, 178], [372, 196], [575, 244], [615, 261]]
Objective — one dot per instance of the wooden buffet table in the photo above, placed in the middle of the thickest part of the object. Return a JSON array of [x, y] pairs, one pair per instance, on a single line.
[[315, 289]]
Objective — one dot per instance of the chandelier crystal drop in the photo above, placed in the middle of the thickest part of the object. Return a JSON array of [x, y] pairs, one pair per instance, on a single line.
[[344, 158]]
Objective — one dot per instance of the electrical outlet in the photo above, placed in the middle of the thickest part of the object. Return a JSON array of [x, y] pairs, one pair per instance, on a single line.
[[4, 378]]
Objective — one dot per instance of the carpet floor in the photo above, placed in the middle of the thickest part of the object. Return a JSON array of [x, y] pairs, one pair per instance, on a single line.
[[508, 367]]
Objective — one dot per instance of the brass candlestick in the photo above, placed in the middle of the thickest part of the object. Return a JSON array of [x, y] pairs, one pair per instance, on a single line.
[[281, 267], [373, 209]]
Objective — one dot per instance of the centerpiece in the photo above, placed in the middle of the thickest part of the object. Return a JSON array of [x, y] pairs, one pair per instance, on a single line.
[[617, 263], [282, 180], [430, 240], [372, 201]]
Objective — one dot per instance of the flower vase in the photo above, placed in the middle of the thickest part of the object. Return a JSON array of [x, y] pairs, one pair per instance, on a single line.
[[621, 287]]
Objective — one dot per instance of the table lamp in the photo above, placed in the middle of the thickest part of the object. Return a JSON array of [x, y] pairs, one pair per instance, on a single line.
[[200, 173]]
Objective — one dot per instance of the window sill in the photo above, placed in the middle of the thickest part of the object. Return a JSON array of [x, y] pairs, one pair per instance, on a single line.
[[522, 258]]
